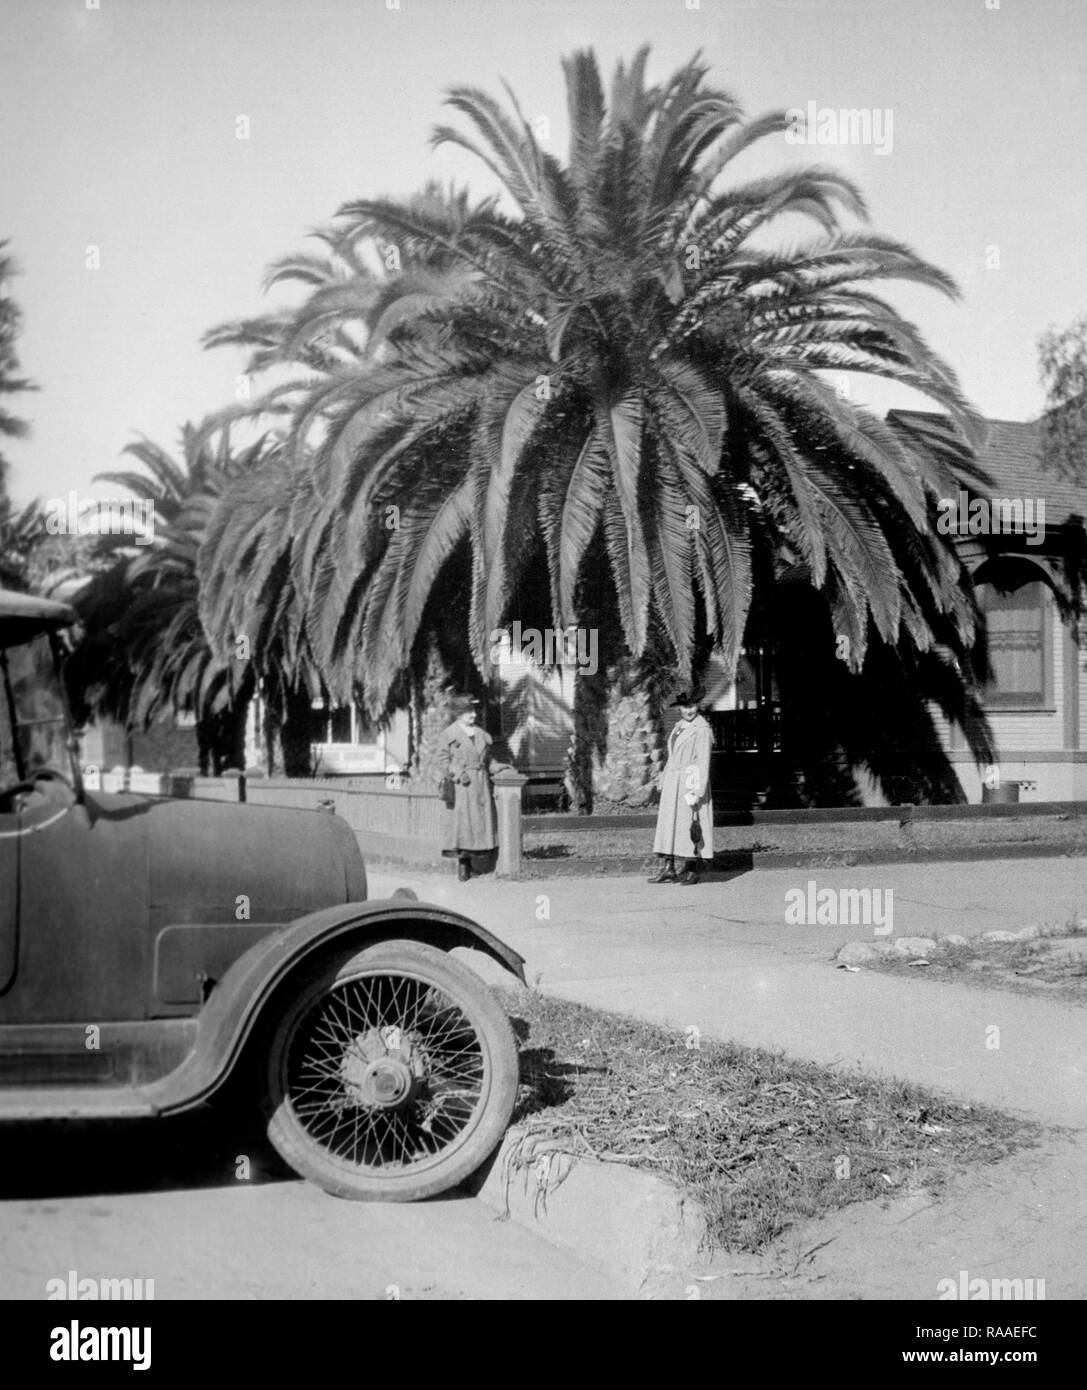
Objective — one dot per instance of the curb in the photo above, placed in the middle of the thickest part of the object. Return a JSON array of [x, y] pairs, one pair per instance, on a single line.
[[819, 815], [744, 861], [732, 862], [829, 859], [644, 1230]]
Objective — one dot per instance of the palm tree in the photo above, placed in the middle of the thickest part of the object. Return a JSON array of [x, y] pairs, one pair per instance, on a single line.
[[624, 366], [11, 382], [1062, 361], [258, 536], [34, 559], [142, 652], [274, 561], [22, 532]]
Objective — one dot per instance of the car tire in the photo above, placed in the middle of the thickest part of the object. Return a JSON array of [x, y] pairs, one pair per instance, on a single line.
[[391, 1076]]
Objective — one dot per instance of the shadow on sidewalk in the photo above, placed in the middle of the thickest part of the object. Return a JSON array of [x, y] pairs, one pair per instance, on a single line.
[[76, 1158], [563, 859]]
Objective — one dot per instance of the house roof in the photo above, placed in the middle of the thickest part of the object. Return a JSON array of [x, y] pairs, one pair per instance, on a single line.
[[1011, 455]]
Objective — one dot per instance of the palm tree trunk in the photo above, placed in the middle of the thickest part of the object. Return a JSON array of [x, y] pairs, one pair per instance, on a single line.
[[296, 733], [221, 738], [629, 773], [431, 714], [589, 741]]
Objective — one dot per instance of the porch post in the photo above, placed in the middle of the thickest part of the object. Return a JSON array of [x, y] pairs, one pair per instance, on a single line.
[[1070, 693], [764, 701]]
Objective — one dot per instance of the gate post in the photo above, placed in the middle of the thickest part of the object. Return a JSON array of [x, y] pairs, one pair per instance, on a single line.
[[507, 795]]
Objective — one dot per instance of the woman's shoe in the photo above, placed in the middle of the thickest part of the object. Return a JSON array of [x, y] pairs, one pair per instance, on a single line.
[[464, 870], [666, 873], [690, 873]]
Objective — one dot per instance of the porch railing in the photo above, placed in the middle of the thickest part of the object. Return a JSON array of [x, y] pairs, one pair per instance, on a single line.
[[746, 730]]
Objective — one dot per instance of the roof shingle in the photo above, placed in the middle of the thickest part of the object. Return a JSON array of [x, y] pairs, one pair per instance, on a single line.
[[1011, 455]]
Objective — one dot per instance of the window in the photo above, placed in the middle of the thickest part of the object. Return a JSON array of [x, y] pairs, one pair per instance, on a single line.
[[1017, 624], [10, 772], [345, 724], [31, 693], [339, 725]]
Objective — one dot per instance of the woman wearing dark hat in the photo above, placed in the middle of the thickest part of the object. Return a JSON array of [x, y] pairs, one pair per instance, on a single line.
[[685, 817], [465, 763]]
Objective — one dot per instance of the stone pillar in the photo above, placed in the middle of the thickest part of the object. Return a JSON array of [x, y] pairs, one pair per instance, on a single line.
[[233, 774], [255, 753], [507, 795]]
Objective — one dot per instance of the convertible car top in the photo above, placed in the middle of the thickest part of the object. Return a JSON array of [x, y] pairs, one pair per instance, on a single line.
[[23, 616]]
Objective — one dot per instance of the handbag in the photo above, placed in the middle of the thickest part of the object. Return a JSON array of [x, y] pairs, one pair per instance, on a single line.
[[447, 790], [696, 829]]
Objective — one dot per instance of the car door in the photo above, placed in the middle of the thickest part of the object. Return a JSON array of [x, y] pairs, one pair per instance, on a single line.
[[9, 903], [84, 949], [82, 944], [9, 850]]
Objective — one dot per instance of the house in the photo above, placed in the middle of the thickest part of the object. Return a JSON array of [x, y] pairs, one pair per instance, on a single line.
[[348, 742], [345, 743], [1016, 550], [166, 746]]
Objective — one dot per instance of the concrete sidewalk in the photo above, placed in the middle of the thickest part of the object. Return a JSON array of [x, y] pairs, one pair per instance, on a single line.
[[720, 956]]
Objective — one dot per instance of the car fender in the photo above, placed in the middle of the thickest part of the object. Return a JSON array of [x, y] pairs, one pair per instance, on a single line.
[[253, 983]]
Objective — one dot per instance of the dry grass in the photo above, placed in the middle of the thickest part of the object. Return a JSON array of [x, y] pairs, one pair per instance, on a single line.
[[1053, 965], [759, 1140]]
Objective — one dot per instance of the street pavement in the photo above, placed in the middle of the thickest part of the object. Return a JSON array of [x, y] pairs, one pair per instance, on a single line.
[[287, 1240], [206, 1214]]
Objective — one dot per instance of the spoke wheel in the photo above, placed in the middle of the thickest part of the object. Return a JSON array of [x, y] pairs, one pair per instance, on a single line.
[[392, 1076]]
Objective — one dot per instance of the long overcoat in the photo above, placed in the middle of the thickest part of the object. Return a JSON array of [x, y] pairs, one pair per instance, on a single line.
[[465, 755], [687, 770]]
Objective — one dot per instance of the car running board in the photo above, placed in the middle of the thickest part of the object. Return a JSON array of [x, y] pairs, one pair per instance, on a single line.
[[74, 1103]]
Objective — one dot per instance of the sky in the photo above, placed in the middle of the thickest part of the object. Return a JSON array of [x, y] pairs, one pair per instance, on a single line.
[[119, 130]]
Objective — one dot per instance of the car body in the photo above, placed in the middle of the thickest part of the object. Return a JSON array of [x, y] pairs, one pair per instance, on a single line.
[[153, 949]]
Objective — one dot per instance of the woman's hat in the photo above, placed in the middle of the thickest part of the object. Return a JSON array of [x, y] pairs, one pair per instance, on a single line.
[[693, 696], [461, 703]]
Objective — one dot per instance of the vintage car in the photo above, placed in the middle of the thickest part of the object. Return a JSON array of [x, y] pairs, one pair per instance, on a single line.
[[156, 951]]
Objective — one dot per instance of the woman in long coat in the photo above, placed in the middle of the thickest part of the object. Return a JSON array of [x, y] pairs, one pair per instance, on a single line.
[[465, 763], [685, 797]]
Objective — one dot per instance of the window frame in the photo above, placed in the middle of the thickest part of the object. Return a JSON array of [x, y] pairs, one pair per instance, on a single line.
[[1016, 702], [359, 721]]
